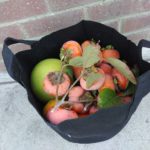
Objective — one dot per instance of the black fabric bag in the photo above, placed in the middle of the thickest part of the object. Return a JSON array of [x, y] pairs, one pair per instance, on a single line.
[[106, 122]]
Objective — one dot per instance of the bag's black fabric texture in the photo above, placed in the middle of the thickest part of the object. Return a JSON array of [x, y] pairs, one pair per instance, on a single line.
[[106, 122]]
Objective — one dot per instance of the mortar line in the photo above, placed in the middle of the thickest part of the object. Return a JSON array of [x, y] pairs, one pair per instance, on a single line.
[[3, 1], [23, 30], [32, 18], [137, 31], [120, 25], [48, 14], [126, 17], [85, 13], [110, 21], [47, 5], [37, 37]]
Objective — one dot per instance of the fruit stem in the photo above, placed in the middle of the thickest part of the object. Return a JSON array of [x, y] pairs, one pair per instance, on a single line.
[[109, 47], [82, 101], [86, 106], [58, 81], [58, 104]]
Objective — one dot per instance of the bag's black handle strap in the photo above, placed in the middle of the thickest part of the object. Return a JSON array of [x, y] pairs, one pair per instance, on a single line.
[[144, 47], [10, 60], [143, 87], [144, 60]]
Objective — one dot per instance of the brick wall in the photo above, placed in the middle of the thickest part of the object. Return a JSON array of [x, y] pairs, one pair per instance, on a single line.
[[32, 19]]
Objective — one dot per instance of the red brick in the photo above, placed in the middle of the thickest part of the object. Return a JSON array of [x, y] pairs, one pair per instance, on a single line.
[[10, 31], [136, 37], [49, 24], [57, 5], [17, 9], [135, 23], [116, 8], [113, 24]]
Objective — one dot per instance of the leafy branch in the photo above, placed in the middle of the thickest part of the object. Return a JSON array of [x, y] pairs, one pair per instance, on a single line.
[[123, 68], [88, 59]]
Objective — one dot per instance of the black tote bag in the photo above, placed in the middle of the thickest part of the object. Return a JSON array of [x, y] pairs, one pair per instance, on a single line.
[[105, 123]]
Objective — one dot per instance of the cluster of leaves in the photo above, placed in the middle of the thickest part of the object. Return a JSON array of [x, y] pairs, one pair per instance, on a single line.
[[88, 59], [123, 68], [65, 56], [107, 97]]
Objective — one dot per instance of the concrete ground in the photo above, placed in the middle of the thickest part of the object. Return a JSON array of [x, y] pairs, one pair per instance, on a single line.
[[21, 128]]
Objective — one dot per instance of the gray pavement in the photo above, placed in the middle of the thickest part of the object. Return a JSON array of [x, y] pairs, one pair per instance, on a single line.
[[21, 128]]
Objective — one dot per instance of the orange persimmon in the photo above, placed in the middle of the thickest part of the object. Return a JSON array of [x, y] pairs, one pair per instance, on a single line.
[[122, 81], [74, 47], [108, 83]]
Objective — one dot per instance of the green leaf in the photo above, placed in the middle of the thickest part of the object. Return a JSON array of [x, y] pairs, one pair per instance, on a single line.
[[129, 91], [123, 68], [90, 56], [109, 47], [61, 55], [108, 98], [92, 78], [77, 62]]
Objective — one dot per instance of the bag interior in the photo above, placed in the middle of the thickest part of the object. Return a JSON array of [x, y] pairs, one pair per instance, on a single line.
[[49, 47]]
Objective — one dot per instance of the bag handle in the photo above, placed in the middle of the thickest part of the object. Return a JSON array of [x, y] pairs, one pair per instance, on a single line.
[[144, 56], [144, 47], [10, 60], [143, 87]]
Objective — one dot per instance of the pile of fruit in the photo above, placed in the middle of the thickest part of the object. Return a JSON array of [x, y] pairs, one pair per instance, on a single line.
[[86, 78]]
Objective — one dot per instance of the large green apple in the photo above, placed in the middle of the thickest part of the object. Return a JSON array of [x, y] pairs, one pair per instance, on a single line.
[[40, 71], [38, 74]]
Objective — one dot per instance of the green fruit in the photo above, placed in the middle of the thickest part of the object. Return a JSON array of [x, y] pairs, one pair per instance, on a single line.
[[38, 74]]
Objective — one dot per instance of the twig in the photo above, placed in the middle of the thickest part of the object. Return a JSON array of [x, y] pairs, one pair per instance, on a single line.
[[63, 99], [58, 81], [83, 101]]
